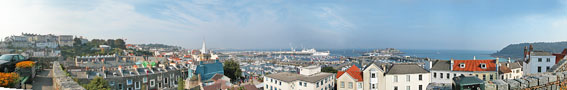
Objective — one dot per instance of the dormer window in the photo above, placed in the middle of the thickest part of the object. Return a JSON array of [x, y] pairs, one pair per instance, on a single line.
[[483, 65], [462, 65]]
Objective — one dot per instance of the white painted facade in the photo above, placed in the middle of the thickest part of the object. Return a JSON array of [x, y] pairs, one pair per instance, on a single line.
[[323, 84], [406, 81], [309, 70], [538, 64]]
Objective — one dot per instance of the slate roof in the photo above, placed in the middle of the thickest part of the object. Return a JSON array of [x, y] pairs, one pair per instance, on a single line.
[[217, 77], [474, 65], [442, 65], [289, 77], [207, 71], [405, 69], [541, 53], [467, 80], [353, 72], [504, 69], [513, 65]]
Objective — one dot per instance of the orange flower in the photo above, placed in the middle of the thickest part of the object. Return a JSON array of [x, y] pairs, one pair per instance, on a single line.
[[8, 78], [25, 64]]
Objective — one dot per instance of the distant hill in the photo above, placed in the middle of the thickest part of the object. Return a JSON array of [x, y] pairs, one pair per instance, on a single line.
[[517, 50]]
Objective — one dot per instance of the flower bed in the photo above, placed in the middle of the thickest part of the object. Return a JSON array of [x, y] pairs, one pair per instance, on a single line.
[[25, 64], [9, 79]]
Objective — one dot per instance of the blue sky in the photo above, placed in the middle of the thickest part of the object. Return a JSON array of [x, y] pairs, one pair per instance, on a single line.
[[407, 24]]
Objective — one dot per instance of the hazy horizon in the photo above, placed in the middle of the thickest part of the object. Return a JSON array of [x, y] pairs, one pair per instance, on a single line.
[[248, 24]]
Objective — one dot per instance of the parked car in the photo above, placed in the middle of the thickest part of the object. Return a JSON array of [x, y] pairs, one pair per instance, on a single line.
[[8, 62]]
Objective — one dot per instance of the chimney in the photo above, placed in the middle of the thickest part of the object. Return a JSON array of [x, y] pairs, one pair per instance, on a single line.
[[497, 68], [452, 62], [509, 61], [474, 57]]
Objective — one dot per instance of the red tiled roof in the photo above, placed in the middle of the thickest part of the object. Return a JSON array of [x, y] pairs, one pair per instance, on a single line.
[[560, 56], [353, 71], [474, 65]]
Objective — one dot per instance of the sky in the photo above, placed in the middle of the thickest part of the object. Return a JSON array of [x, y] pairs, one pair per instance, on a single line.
[[245, 24]]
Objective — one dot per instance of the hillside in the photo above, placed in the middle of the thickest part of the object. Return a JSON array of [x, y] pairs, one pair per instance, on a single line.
[[516, 50]]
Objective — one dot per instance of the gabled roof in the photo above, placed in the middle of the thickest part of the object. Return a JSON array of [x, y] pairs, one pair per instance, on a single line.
[[443, 65], [289, 77], [513, 65], [405, 69], [353, 72], [207, 71], [474, 65], [503, 69]]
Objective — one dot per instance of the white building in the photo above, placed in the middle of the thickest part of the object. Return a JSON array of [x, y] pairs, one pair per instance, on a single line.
[[443, 72], [406, 77], [46, 45], [317, 80], [537, 61], [65, 40]]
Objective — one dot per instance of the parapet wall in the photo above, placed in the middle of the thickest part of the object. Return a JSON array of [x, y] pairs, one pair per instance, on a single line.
[[61, 81]]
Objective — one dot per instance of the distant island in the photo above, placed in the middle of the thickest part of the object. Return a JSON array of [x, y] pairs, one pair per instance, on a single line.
[[517, 50]]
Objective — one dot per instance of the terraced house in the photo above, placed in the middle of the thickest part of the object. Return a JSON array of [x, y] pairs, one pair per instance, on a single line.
[[310, 78], [379, 76]]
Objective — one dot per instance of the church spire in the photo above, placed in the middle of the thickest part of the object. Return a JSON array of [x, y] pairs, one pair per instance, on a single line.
[[204, 47]]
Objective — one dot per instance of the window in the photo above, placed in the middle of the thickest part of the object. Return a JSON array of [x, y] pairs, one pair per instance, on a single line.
[[342, 84], [420, 77], [548, 60], [350, 85], [408, 78], [395, 87], [119, 86], [441, 75], [448, 75], [491, 77], [408, 88], [359, 85], [538, 59], [547, 68], [152, 83], [111, 83], [454, 75], [434, 75], [420, 87], [483, 65], [395, 78], [305, 85], [128, 82], [484, 77], [462, 65], [373, 75], [538, 68], [145, 79], [300, 84], [373, 86], [137, 85], [280, 83], [317, 85], [130, 88], [165, 80]]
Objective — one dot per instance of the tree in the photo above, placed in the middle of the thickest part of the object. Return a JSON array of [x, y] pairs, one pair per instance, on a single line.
[[119, 43], [232, 70], [328, 69], [98, 83], [180, 84]]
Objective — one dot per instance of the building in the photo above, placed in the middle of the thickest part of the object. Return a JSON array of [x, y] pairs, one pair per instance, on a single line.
[[537, 61], [209, 69], [405, 77], [442, 72], [513, 69], [203, 54], [350, 79], [133, 76], [311, 79], [65, 40]]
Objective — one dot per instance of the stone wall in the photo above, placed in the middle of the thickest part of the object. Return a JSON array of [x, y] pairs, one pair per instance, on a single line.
[[61, 81]]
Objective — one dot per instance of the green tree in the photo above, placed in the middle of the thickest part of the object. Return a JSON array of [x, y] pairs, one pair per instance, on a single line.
[[232, 70], [328, 69], [180, 84], [98, 83], [119, 43]]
